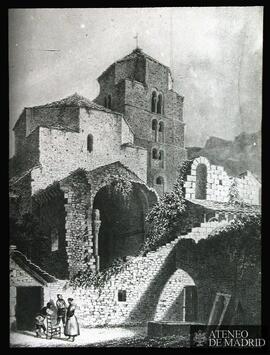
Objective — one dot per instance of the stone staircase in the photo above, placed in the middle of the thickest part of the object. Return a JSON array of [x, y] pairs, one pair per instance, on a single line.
[[150, 282], [196, 233]]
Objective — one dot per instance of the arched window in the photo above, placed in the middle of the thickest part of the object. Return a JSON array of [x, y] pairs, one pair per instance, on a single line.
[[159, 103], [161, 158], [90, 143], [105, 101], [154, 130], [154, 154], [109, 101], [154, 101], [159, 185], [161, 132], [159, 180]]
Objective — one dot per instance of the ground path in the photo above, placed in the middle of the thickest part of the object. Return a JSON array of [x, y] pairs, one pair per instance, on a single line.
[[88, 337]]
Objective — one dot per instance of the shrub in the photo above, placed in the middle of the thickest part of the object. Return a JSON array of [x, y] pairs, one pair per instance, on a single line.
[[89, 277], [166, 214]]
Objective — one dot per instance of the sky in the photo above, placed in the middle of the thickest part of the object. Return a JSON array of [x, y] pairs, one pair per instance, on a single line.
[[215, 55]]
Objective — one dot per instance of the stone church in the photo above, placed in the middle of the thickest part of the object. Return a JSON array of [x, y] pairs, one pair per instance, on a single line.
[[134, 128], [68, 153]]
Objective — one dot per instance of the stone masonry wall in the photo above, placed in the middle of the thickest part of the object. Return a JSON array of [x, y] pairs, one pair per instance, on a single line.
[[218, 184], [65, 116], [143, 279], [63, 152], [157, 75], [78, 235], [52, 217], [22, 188], [249, 188], [27, 152], [153, 285]]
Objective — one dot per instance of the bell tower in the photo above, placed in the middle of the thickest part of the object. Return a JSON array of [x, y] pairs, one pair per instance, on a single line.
[[140, 87]]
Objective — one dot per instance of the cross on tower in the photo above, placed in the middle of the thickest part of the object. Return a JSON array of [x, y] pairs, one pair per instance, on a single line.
[[137, 40]]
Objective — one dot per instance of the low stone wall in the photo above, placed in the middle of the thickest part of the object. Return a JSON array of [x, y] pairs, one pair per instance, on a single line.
[[151, 284], [142, 281]]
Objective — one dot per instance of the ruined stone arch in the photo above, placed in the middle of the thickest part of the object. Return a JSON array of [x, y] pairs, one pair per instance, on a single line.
[[121, 223], [201, 168], [178, 299]]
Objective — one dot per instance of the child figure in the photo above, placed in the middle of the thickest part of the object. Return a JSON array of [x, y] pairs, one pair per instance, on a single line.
[[39, 323]]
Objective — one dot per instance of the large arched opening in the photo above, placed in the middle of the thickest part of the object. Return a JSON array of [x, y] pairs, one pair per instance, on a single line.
[[201, 182], [121, 231]]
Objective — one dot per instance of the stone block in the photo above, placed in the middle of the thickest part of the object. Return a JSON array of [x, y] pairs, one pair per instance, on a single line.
[[189, 190], [191, 178], [188, 184]]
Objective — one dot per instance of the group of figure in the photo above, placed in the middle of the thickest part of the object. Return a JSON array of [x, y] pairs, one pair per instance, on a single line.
[[65, 315]]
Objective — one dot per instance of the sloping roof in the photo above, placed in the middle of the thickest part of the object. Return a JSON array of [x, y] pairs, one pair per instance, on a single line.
[[76, 100], [116, 164], [137, 52], [31, 268], [14, 179]]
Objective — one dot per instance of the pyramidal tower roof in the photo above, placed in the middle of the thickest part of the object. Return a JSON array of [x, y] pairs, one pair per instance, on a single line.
[[137, 53]]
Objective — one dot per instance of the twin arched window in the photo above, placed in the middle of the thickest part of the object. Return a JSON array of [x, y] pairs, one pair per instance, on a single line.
[[157, 103], [90, 142], [157, 131]]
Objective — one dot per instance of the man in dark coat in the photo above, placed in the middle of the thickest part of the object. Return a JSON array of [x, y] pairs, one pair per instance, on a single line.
[[61, 310]]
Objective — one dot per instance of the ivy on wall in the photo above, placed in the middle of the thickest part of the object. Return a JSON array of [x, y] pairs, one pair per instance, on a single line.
[[240, 240], [120, 188], [166, 214], [90, 278]]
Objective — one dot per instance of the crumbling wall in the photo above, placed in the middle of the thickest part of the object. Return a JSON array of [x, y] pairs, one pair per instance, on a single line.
[[218, 183]]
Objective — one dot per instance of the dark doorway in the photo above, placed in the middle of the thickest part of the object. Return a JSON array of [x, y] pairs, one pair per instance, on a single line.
[[201, 180], [121, 231], [191, 303], [29, 303]]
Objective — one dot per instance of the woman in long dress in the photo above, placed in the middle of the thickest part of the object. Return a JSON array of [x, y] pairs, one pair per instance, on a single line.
[[72, 326]]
